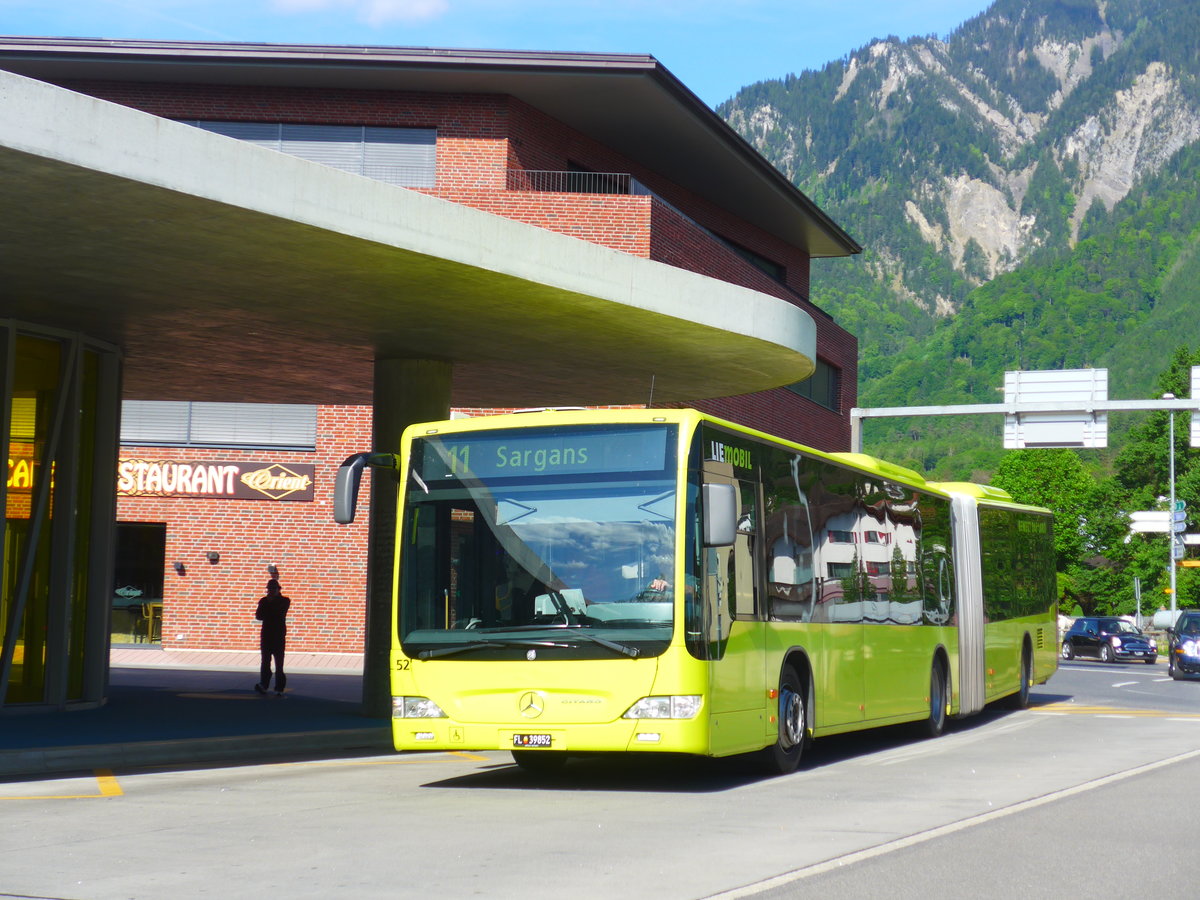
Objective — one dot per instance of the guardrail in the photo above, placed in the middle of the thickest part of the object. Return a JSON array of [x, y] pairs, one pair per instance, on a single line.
[[557, 182]]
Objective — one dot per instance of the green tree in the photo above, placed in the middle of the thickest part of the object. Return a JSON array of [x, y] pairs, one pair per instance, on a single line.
[[1143, 465], [899, 573], [1056, 479], [1143, 468], [1090, 525], [975, 262]]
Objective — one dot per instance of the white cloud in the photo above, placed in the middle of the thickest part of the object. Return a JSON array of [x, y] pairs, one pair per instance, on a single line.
[[373, 12]]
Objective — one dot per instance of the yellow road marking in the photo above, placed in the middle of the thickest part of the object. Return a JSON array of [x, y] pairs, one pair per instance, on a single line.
[[106, 782], [109, 786]]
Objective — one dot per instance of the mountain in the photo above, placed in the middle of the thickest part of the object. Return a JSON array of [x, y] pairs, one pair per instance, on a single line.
[[1025, 190]]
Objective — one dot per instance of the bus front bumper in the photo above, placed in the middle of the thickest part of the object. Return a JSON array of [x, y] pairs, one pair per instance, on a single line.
[[624, 735]]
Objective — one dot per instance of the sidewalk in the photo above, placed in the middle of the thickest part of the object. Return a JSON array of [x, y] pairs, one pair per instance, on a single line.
[[186, 707], [138, 656]]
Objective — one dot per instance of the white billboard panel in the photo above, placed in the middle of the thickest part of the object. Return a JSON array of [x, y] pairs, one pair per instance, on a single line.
[[1159, 521], [1069, 420], [1150, 521], [1195, 394]]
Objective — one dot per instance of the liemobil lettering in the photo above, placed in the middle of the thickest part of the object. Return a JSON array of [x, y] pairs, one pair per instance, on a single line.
[[541, 459], [738, 457]]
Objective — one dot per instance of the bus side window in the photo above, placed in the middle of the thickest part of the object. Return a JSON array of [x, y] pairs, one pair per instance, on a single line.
[[718, 567], [424, 540], [742, 591], [729, 574], [788, 542]]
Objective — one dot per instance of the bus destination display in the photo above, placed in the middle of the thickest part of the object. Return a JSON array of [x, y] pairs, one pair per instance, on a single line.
[[538, 452]]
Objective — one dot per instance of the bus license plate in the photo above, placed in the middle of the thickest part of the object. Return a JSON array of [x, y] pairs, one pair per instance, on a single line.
[[535, 741]]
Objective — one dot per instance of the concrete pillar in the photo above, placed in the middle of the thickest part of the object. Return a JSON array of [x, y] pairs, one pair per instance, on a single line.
[[406, 391]]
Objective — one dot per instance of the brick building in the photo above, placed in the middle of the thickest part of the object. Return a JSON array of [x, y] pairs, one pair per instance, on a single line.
[[610, 150]]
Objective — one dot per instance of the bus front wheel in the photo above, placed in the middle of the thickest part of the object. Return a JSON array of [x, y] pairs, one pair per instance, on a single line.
[[783, 757]]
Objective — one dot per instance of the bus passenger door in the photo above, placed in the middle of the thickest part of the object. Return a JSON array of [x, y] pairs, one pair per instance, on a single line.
[[812, 569], [840, 668], [841, 694], [735, 632]]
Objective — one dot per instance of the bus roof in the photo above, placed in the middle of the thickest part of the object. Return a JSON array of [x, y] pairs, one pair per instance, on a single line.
[[987, 493], [582, 416], [971, 489]]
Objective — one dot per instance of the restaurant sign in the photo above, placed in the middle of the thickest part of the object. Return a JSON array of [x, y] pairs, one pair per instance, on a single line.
[[214, 479]]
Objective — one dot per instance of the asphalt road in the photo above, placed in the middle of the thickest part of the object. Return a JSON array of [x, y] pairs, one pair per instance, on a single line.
[[1094, 779]]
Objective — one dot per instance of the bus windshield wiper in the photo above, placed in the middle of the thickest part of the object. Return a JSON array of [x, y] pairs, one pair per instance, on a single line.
[[631, 652], [575, 631], [483, 644]]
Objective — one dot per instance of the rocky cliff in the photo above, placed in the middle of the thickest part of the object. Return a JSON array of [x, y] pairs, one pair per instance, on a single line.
[[954, 160]]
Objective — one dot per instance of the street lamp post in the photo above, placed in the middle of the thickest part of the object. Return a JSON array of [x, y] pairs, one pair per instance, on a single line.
[[1171, 519]]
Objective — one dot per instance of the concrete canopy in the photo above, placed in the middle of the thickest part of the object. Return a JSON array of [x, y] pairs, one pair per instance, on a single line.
[[629, 102], [237, 273]]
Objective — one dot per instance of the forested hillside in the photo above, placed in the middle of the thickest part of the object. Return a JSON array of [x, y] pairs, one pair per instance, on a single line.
[[1026, 191]]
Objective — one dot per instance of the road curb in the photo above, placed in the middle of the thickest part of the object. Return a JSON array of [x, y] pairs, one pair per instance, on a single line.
[[136, 754]]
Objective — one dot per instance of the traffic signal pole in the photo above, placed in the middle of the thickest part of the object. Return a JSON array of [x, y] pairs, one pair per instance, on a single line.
[[859, 414], [1172, 533], [1073, 406]]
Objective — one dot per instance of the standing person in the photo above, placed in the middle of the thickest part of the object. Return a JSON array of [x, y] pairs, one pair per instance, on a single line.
[[272, 612]]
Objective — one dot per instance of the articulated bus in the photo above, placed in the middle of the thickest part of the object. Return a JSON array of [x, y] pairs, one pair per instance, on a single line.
[[650, 581]]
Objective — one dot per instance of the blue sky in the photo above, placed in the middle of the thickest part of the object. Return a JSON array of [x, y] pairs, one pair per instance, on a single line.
[[713, 46]]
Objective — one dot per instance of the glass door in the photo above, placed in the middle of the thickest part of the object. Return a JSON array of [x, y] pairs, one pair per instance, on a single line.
[[138, 583]]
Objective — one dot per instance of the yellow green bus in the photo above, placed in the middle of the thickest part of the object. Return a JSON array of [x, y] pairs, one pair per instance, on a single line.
[[662, 581]]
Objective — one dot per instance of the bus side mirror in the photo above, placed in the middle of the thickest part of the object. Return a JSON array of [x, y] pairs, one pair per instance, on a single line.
[[348, 479], [345, 488], [720, 515]]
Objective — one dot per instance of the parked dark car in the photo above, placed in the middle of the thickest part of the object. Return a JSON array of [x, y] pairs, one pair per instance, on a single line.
[[1183, 653], [1108, 639]]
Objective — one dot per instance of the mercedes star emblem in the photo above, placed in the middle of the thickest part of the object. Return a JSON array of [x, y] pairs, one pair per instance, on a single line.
[[531, 705]]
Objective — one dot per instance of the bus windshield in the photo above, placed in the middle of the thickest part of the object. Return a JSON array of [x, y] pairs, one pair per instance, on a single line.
[[556, 541]]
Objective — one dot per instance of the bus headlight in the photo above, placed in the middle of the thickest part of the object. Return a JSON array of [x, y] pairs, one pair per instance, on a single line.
[[675, 706], [416, 708]]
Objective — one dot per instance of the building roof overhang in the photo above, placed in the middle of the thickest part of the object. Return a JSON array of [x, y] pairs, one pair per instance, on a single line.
[[232, 272], [629, 102]]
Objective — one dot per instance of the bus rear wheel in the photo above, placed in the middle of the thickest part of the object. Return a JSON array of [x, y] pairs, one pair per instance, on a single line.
[[783, 757], [1020, 700], [936, 723]]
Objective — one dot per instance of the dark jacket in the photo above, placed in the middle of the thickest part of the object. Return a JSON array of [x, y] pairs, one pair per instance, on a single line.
[[272, 612]]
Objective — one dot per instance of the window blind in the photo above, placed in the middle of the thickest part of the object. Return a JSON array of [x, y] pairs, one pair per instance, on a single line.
[[402, 156], [183, 423]]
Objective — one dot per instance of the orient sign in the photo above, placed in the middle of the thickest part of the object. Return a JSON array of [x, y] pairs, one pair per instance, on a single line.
[[214, 479]]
